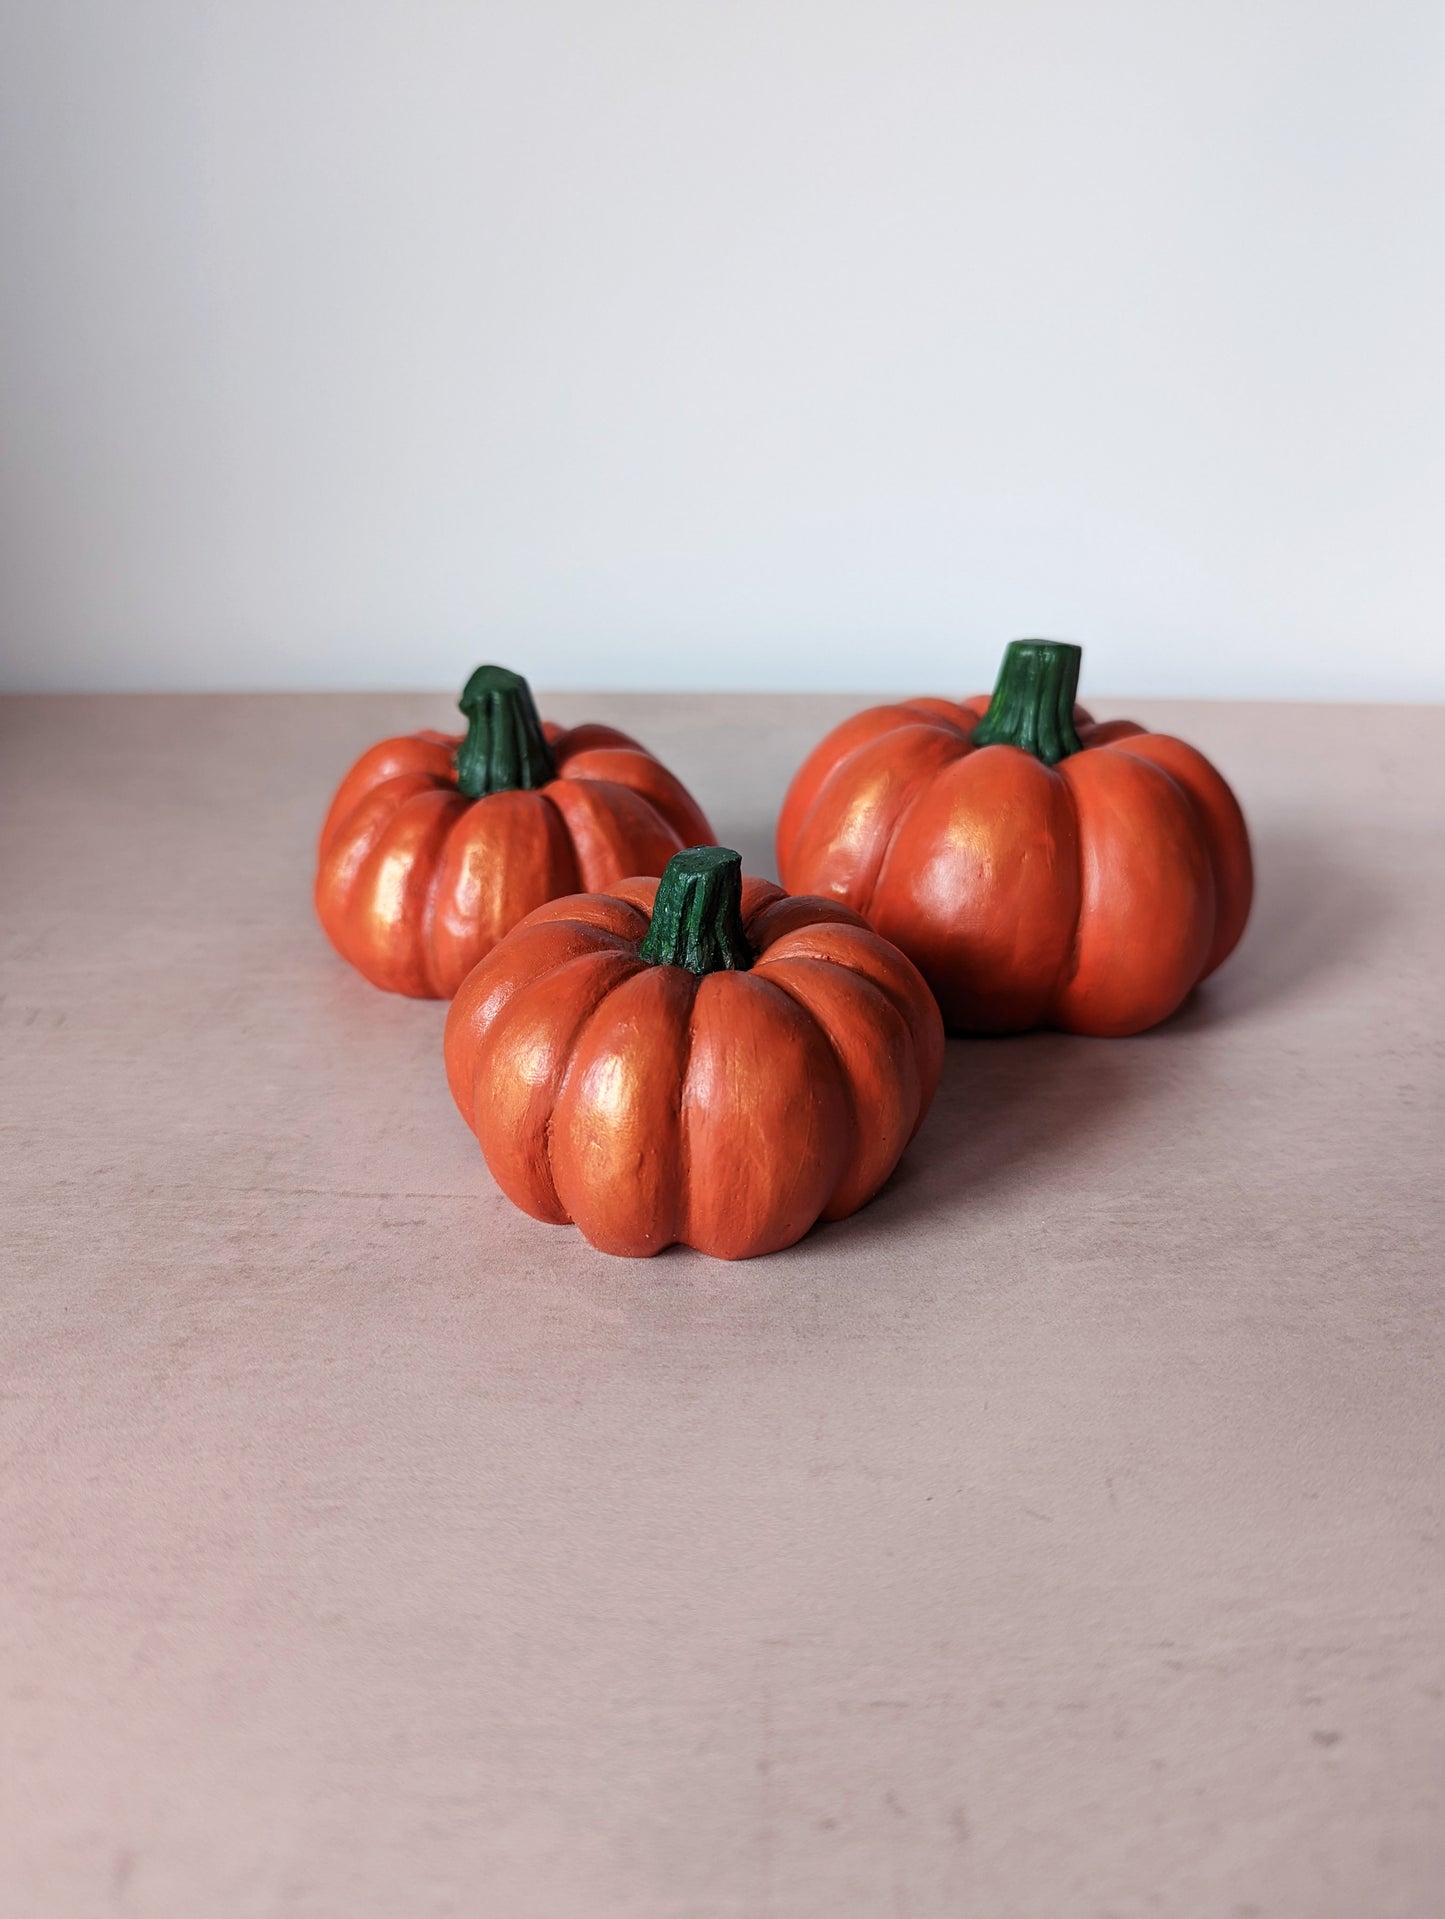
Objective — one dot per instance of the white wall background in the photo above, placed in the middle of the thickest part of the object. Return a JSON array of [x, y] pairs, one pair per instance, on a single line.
[[662, 342]]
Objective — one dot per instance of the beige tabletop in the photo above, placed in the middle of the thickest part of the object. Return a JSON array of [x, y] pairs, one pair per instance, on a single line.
[[1060, 1536]]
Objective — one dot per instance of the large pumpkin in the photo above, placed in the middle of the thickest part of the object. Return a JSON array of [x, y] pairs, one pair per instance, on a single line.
[[704, 1060], [1039, 869], [437, 844]]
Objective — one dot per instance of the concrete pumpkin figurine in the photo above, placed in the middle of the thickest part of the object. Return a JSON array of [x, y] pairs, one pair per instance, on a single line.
[[1039, 869], [437, 844], [701, 1059]]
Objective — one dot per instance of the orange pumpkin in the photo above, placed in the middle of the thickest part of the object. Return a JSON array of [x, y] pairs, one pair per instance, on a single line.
[[702, 1059], [437, 844], [1039, 869]]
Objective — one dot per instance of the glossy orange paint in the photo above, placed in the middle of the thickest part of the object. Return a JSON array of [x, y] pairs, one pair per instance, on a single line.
[[728, 1111], [1092, 894], [415, 882]]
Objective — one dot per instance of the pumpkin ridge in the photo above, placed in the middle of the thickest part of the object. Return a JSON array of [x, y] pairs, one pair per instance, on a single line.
[[1191, 804], [574, 1041], [871, 990], [562, 740], [828, 959], [544, 794], [458, 938], [691, 829], [773, 1181], [845, 764], [912, 797], [593, 928], [908, 792], [598, 793], [916, 1008], [516, 1003], [363, 881], [613, 1138], [696, 926], [334, 835], [342, 897], [845, 1080], [476, 1041], [682, 1210], [616, 898], [1212, 853], [427, 916], [925, 712], [825, 912], [663, 821], [1110, 822], [1069, 964], [334, 824], [606, 940]]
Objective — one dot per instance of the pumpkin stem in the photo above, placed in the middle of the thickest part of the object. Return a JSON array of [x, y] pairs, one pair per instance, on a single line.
[[697, 919], [1033, 701], [505, 746]]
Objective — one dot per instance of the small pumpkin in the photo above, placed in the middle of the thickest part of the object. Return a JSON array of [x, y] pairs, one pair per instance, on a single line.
[[437, 844], [701, 1059], [1040, 869]]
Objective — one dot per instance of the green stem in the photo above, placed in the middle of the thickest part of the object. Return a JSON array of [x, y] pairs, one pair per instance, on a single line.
[[505, 746], [697, 919], [1033, 702]]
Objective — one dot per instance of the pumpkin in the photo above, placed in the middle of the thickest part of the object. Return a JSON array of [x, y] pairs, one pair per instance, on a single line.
[[1039, 869], [701, 1059], [437, 844]]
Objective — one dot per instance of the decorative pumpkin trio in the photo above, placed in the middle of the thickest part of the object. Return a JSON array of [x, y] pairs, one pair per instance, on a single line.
[[711, 1059]]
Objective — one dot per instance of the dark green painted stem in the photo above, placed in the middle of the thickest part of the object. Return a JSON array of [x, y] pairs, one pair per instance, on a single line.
[[697, 919], [505, 746], [1033, 700]]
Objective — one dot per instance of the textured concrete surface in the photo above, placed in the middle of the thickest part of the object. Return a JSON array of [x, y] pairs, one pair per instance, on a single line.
[[1060, 1536]]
